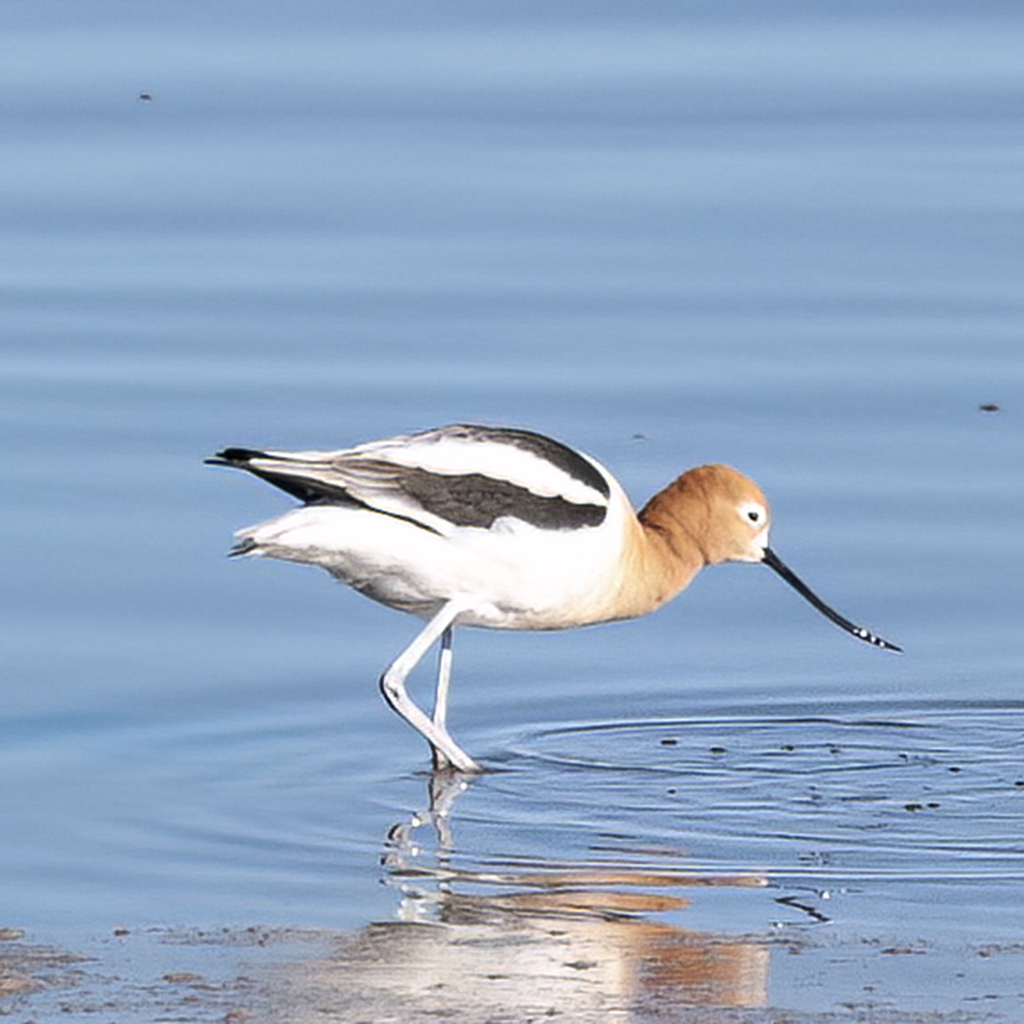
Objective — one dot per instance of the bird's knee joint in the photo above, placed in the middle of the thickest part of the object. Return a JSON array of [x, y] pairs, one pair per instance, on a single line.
[[391, 689]]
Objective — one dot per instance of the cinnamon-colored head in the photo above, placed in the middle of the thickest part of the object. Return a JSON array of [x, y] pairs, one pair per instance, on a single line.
[[714, 510]]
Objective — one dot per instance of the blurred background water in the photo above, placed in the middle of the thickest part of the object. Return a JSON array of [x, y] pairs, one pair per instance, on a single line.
[[782, 235]]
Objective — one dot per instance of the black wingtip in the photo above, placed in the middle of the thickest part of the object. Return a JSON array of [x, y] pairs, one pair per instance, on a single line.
[[240, 457]]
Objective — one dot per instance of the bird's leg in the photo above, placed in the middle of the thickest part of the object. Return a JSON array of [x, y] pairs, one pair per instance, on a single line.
[[447, 753], [444, 678]]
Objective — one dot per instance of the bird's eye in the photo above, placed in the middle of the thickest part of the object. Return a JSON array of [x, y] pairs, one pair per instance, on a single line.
[[754, 514]]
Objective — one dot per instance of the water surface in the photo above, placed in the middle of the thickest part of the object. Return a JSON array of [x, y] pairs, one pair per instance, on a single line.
[[775, 236]]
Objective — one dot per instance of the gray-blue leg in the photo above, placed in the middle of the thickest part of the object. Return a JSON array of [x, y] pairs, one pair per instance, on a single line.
[[447, 753]]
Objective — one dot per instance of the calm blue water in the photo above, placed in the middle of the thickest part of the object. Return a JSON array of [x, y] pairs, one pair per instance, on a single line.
[[784, 236]]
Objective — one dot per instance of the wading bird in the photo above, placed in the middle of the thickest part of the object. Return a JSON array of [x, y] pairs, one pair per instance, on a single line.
[[501, 528]]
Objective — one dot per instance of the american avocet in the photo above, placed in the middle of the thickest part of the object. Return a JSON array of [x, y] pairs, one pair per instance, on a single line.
[[503, 529]]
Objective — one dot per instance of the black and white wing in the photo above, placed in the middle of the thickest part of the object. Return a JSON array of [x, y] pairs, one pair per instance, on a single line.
[[456, 476]]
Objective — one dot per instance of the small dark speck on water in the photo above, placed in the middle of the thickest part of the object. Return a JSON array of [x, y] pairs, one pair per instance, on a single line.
[[988, 407], [183, 978], [670, 741], [717, 750], [145, 97], [581, 965]]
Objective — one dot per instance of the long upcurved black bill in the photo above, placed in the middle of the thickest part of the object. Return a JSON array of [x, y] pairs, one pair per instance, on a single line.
[[773, 561]]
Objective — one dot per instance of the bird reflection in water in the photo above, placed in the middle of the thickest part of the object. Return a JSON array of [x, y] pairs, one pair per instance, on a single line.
[[520, 941]]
